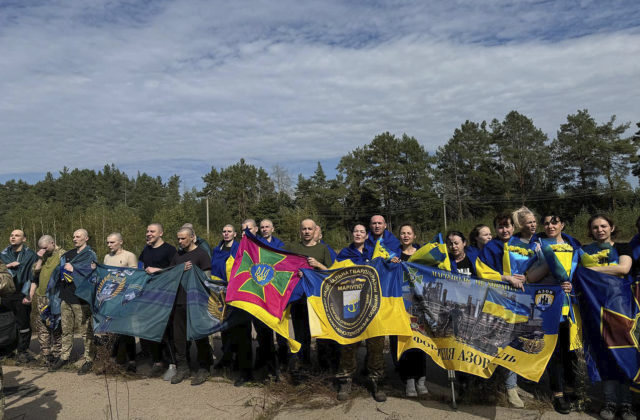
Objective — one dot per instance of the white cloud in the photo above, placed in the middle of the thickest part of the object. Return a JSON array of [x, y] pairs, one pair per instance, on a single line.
[[216, 82]]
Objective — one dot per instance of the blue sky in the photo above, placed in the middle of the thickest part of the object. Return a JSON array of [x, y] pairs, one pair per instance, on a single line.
[[179, 86]]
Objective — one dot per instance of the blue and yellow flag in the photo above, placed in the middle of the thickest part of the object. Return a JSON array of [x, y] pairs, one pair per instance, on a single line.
[[433, 254], [498, 258], [598, 255], [381, 250], [610, 308], [354, 303], [500, 306], [473, 326]]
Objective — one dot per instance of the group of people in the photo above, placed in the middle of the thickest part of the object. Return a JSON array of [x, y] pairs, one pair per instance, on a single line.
[[482, 255]]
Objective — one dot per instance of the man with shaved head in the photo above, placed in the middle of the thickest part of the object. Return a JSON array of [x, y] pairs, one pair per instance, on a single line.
[[75, 314], [156, 256], [191, 255], [200, 242], [119, 257], [319, 258], [19, 260], [49, 255], [266, 234], [377, 230]]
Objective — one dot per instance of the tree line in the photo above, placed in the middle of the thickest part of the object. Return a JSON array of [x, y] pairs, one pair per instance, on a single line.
[[483, 168]]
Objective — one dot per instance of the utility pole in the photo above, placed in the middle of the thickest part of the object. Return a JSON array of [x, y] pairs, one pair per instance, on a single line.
[[444, 211], [207, 201]]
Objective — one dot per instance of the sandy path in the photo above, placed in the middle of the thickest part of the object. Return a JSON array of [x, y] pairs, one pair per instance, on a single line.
[[38, 394]]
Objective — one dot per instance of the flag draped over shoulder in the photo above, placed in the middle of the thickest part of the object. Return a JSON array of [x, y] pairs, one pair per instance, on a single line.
[[354, 303], [598, 254], [262, 281], [498, 258], [130, 301], [610, 311], [22, 274], [433, 254], [382, 251], [562, 260], [472, 325], [221, 262]]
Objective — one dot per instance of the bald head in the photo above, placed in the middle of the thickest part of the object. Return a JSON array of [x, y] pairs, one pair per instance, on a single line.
[[114, 242], [46, 245], [80, 238], [251, 225], [228, 234], [307, 231], [154, 235], [377, 225], [17, 239], [266, 229], [190, 226], [187, 239]]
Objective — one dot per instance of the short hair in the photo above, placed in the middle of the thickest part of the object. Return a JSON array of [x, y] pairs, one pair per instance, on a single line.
[[475, 232], [231, 226], [359, 224], [83, 231], [614, 232], [158, 225], [378, 215], [266, 220], [247, 221], [45, 239], [188, 230], [311, 220], [118, 235], [501, 217], [519, 215]]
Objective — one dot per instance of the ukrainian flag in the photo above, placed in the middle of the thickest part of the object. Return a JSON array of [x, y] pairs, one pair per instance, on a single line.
[[500, 306], [433, 254], [382, 251], [598, 255], [358, 302]]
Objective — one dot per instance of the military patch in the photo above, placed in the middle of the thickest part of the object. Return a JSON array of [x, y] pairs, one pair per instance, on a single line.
[[544, 299], [351, 299]]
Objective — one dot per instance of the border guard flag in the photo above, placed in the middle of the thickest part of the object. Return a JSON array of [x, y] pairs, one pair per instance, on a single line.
[[262, 281]]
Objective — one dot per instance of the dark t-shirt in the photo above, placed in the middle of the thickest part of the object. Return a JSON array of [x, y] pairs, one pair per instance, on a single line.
[[405, 257], [464, 266], [199, 258], [68, 290], [318, 251], [623, 248], [159, 257]]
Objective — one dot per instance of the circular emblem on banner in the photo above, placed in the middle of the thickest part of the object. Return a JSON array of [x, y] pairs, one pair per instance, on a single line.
[[110, 286], [351, 298]]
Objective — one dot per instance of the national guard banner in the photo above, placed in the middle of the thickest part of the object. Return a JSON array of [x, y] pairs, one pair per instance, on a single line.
[[472, 325], [354, 303], [130, 301]]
